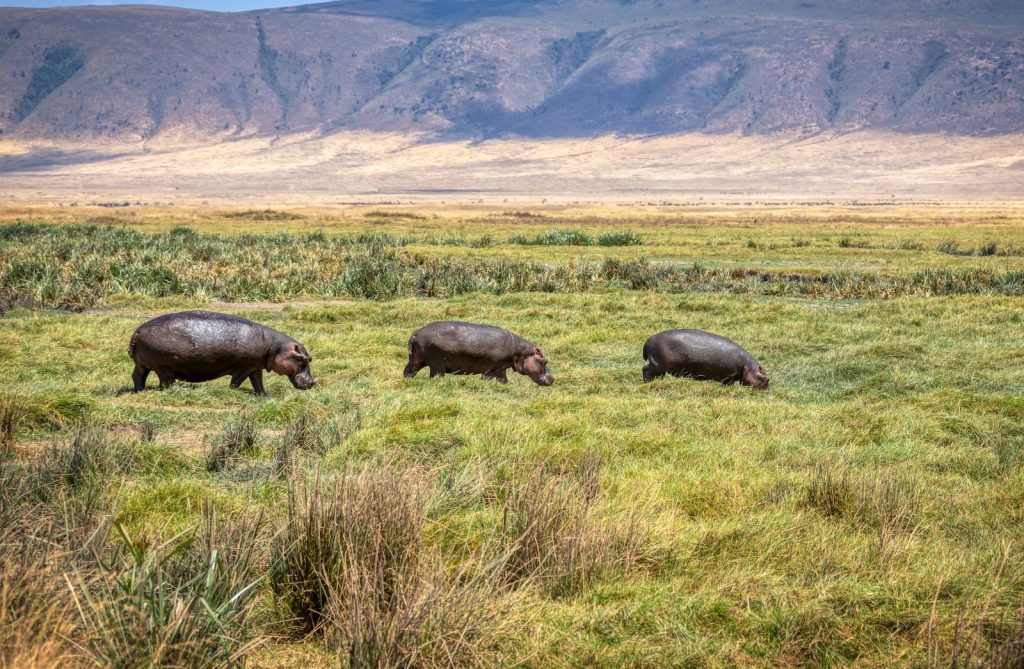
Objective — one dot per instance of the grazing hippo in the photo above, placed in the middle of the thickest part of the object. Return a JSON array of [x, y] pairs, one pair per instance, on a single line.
[[472, 348], [201, 345], [701, 355]]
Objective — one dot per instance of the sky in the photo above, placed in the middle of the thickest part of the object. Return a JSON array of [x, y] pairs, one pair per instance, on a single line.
[[216, 5]]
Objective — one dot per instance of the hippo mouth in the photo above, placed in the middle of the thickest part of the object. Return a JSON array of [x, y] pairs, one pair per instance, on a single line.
[[545, 381], [302, 383]]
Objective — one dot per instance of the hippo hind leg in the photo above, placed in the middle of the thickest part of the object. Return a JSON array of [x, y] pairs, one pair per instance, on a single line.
[[139, 378], [415, 364]]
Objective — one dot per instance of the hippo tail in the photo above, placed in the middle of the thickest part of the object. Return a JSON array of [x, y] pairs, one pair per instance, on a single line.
[[646, 354], [131, 344]]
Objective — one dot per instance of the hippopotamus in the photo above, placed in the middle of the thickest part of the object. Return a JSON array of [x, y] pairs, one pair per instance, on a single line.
[[701, 355], [473, 348], [202, 345]]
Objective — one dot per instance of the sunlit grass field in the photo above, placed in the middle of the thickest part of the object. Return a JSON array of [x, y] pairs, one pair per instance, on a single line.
[[866, 511]]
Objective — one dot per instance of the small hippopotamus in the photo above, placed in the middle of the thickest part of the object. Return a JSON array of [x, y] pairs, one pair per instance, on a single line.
[[202, 345], [701, 355], [472, 348]]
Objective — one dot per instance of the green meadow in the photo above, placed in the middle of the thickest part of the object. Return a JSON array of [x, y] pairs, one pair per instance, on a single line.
[[867, 510]]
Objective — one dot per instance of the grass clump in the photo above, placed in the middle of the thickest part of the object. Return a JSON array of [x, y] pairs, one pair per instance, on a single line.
[[352, 563], [622, 238], [263, 215], [889, 504], [554, 535], [184, 602], [554, 238], [10, 418], [237, 440], [84, 458]]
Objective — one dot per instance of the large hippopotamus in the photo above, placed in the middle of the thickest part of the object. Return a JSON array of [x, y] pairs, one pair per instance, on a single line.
[[201, 345], [701, 355], [471, 348]]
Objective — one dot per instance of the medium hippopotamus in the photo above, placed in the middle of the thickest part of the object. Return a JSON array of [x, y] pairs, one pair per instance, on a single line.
[[701, 355], [201, 345], [472, 348]]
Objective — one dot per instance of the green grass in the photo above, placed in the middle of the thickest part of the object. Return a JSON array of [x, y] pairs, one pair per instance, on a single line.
[[849, 516]]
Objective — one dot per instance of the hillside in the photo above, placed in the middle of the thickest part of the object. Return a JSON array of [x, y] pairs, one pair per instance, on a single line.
[[528, 68]]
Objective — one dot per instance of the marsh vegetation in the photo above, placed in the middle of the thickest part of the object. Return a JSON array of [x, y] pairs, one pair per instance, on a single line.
[[865, 511]]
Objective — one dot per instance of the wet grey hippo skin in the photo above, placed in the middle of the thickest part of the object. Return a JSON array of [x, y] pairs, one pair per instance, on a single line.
[[201, 345], [451, 347], [701, 355]]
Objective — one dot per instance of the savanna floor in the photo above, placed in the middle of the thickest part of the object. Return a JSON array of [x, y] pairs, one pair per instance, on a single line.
[[866, 510]]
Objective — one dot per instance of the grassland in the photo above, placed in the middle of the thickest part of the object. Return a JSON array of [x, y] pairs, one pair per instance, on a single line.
[[865, 511]]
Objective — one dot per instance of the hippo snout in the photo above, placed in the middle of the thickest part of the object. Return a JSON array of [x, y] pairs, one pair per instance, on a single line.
[[545, 380], [303, 381]]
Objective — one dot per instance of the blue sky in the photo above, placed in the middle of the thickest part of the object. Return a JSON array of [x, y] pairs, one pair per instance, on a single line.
[[218, 5]]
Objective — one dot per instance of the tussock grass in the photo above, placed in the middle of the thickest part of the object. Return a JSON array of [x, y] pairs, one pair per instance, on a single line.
[[237, 440], [10, 417], [353, 563], [82, 459], [556, 537], [163, 609]]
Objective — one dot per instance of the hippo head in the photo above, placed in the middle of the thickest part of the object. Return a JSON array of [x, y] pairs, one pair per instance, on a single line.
[[755, 376], [535, 366], [292, 360]]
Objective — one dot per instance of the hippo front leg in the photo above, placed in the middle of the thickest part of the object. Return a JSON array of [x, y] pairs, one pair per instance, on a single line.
[[166, 379], [500, 374], [256, 378]]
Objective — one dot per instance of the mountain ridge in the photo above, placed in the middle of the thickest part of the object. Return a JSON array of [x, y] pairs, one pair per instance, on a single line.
[[512, 68]]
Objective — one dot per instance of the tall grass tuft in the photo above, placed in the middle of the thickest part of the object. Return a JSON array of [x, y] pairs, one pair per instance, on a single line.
[[372, 518], [237, 440], [890, 504], [622, 238], [353, 563], [167, 608], [36, 617], [82, 458], [555, 238], [10, 417], [555, 536]]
